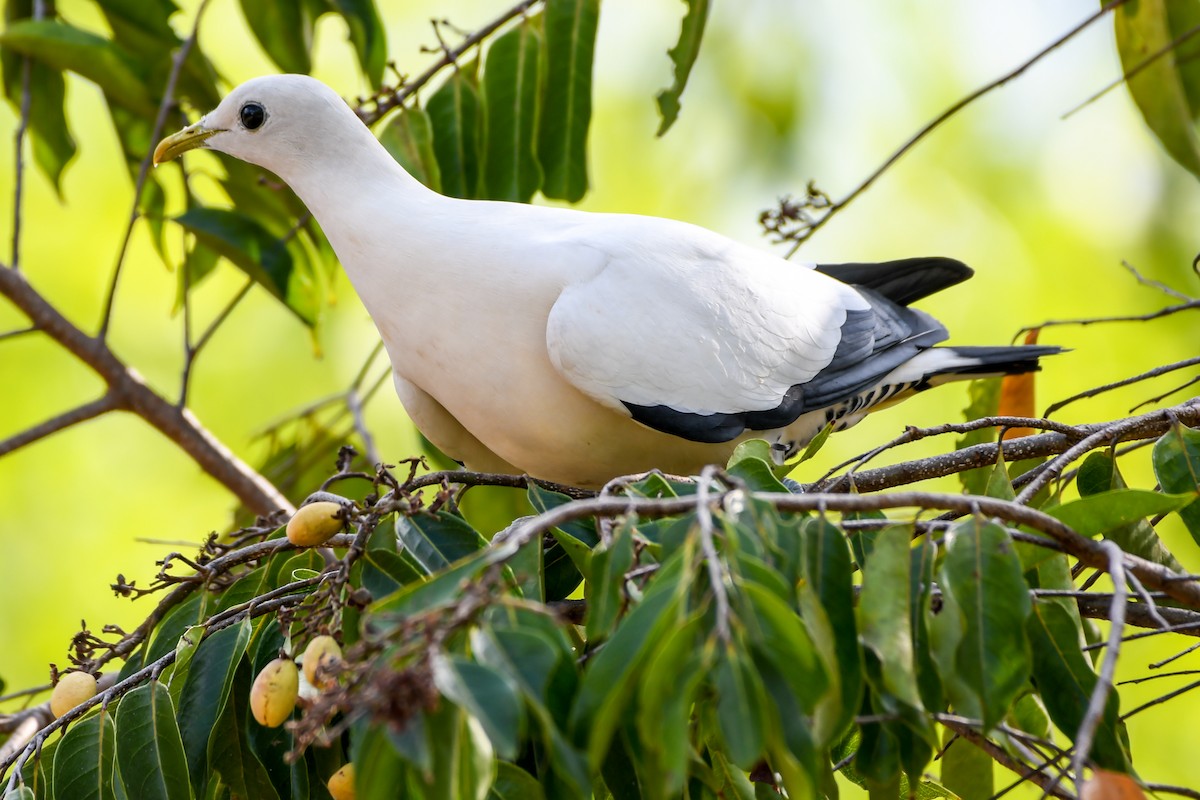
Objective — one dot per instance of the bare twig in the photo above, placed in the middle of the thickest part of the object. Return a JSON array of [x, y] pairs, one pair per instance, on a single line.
[[1159, 314], [929, 127], [912, 434], [192, 351], [1092, 553], [1108, 667], [1147, 426], [102, 405], [385, 103], [132, 393], [160, 121], [1137, 69], [716, 576], [1153, 373], [967, 730]]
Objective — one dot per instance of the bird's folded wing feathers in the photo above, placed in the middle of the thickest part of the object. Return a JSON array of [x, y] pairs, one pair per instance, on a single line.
[[679, 327]]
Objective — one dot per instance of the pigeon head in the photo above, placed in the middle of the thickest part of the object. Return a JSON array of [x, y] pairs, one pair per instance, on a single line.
[[276, 122]]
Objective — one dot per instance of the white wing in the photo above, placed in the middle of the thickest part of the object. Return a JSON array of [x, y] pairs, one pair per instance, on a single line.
[[700, 336]]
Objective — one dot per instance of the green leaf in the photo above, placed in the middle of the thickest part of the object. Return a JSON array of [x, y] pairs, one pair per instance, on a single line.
[[966, 769], [456, 117], [827, 568], [683, 56], [884, 618], [1065, 681], [409, 138], [150, 749], [924, 554], [53, 145], [606, 583], [526, 656], [984, 399], [205, 693], [982, 571], [777, 631], [664, 708], [65, 47], [1099, 473], [284, 29], [229, 752], [608, 680], [255, 251], [1116, 508], [378, 768], [815, 444], [741, 702], [514, 783], [510, 101], [1177, 467], [1167, 96], [367, 34], [383, 572], [749, 464], [437, 540], [570, 27], [84, 760], [463, 762], [437, 590], [487, 695]]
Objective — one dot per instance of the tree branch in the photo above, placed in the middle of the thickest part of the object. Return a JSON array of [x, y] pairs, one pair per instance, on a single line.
[[129, 391], [101, 405], [1146, 426], [386, 102], [965, 730], [803, 235]]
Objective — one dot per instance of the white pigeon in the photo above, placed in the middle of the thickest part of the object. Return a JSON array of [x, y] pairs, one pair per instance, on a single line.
[[578, 346]]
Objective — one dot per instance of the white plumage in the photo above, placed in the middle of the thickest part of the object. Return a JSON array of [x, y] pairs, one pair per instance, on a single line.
[[576, 346]]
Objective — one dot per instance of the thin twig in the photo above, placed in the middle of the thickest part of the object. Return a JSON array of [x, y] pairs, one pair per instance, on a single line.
[[1162, 312], [1108, 667], [1137, 69], [1153, 373], [712, 562], [160, 121], [192, 351], [964, 728], [943, 117], [101, 405], [408, 88], [1147, 426], [132, 392]]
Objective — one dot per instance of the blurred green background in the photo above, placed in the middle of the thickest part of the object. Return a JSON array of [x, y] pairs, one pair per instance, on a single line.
[[1044, 208]]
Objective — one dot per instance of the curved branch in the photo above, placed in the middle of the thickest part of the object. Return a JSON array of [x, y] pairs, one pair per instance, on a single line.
[[1146, 426], [128, 391], [101, 405]]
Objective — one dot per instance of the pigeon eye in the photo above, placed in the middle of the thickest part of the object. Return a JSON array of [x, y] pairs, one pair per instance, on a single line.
[[252, 115]]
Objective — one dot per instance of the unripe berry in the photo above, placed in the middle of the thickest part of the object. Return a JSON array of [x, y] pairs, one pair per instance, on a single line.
[[314, 524], [323, 652], [273, 695], [341, 783], [71, 690]]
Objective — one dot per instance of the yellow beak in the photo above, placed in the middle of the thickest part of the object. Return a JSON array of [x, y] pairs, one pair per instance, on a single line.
[[176, 144]]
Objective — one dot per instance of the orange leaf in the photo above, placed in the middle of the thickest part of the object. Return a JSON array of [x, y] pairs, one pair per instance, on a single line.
[[1017, 396], [1105, 785]]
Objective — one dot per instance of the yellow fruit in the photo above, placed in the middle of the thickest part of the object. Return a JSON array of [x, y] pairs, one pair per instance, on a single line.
[[314, 524], [71, 690], [341, 783], [273, 695], [322, 651]]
